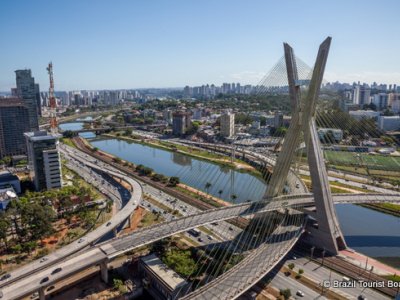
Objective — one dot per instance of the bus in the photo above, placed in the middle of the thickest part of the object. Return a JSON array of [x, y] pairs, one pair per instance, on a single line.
[[194, 232]]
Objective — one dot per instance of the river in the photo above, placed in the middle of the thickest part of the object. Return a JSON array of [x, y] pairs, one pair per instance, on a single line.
[[367, 231], [77, 125]]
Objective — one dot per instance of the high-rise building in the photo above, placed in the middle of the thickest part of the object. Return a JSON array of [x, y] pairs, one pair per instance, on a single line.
[[181, 122], [38, 99], [167, 116], [14, 121], [361, 95], [380, 100], [26, 90], [44, 160], [278, 119], [227, 124]]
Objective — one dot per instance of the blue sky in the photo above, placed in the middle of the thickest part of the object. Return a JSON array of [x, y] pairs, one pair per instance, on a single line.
[[132, 44]]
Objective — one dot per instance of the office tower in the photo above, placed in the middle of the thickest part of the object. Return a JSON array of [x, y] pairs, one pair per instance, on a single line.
[[26, 90], [38, 99], [167, 116], [278, 119], [380, 100], [44, 159], [361, 95], [227, 124], [14, 121], [181, 122]]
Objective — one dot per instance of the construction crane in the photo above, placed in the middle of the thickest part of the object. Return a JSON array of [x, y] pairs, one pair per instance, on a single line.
[[52, 100]]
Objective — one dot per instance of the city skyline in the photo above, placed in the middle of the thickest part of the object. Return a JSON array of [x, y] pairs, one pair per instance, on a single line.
[[143, 45]]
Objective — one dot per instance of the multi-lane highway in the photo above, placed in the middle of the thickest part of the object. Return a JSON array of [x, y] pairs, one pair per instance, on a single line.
[[90, 238]]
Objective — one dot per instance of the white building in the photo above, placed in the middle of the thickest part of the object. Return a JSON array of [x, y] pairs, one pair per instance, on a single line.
[[44, 160], [380, 100], [336, 133], [388, 123], [227, 124], [367, 114]]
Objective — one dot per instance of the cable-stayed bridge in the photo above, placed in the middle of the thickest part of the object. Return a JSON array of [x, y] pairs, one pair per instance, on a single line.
[[266, 242]]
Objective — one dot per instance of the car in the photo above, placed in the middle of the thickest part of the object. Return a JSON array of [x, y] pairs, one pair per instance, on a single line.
[[230, 228], [45, 279], [200, 240], [56, 270], [294, 257], [80, 240], [108, 224], [300, 293], [361, 297], [35, 295], [209, 237], [5, 276], [43, 259], [214, 224], [297, 185]]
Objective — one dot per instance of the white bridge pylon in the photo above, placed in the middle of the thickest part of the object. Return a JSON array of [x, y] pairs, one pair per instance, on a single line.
[[328, 235]]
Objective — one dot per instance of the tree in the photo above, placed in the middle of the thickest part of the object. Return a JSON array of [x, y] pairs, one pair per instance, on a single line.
[[301, 271], [233, 197], [220, 193], [117, 283], [207, 186], [286, 293], [173, 181], [117, 160], [128, 132], [291, 266], [95, 149]]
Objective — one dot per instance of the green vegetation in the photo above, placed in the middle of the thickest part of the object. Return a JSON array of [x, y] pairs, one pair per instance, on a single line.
[[173, 181], [380, 162], [393, 277], [68, 142], [181, 261], [286, 293]]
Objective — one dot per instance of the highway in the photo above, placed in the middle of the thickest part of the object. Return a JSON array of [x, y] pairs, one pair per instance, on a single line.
[[281, 281], [318, 273], [253, 267], [110, 249], [89, 239]]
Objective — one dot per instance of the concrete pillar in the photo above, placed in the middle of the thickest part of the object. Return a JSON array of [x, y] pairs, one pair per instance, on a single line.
[[115, 232], [104, 271], [42, 296]]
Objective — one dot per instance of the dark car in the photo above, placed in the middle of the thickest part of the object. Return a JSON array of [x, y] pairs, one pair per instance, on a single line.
[[5, 276], [45, 279], [56, 270]]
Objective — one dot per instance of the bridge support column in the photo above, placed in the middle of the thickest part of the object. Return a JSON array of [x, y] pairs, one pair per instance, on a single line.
[[104, 271], [329, 235], [115, 232], [42, 296]]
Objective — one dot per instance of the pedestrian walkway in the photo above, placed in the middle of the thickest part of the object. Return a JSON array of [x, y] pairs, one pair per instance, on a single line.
[[366, 262]]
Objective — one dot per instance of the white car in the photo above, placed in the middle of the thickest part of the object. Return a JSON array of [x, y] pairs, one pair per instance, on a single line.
[[300, 293]]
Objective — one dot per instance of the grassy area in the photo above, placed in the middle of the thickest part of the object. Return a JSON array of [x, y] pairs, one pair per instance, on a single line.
[[77, 181], [339, 184], [194, 195], [68, 142], [393, 278], [379, 162], [150, 219]]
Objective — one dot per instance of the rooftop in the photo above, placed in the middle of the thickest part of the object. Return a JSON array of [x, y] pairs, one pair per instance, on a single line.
[[7, 176], [41, 136], [163, 272]]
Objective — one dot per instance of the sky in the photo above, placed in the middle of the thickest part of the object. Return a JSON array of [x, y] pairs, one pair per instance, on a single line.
[[123, 44]]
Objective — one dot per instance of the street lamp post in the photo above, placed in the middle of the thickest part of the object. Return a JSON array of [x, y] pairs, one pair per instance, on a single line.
[[312, 252]]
